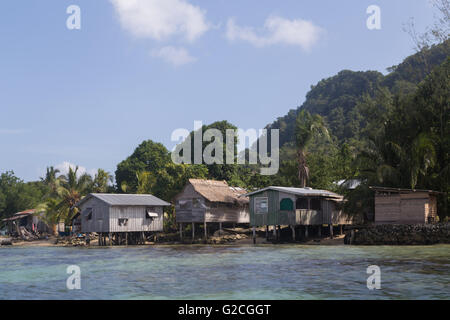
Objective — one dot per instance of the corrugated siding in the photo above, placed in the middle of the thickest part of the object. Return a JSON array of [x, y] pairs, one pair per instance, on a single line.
[[137, 221]]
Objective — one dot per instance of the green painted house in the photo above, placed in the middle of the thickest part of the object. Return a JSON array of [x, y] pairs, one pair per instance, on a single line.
[[283, 206]]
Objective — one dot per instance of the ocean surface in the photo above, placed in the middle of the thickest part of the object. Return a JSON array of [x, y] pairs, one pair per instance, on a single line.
[[226, 272]]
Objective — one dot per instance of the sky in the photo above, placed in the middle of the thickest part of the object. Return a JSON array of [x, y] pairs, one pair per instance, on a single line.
[[139, 69]]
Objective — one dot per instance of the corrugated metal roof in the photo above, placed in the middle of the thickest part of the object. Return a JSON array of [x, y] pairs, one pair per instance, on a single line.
[[126, 199], [306, 192]]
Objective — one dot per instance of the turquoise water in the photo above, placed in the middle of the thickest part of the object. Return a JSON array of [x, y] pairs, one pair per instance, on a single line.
[[215, 272]]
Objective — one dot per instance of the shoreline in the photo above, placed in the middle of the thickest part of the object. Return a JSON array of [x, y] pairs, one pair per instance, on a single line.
[[336, 241], [260, 241]]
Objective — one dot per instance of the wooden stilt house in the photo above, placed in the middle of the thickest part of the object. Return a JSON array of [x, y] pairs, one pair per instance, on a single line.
[[122, 218], [294, 207], [210, 201]]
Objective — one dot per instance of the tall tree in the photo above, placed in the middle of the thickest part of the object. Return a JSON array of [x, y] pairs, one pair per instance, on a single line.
[[308, 126]]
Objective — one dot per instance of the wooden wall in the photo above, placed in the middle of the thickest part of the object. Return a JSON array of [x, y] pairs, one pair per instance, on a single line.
[[100, 216], [209, 212], [137, 220], [329, 213], [404, 208], [105, 218]]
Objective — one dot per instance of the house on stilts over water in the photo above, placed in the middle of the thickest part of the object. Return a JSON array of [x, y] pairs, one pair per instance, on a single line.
[[303, 209], [120, 218], [209, 202]]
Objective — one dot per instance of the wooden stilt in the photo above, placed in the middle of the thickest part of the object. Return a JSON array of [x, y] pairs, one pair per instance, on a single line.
[[193, 231], [340, 229], [126, 238], [319, 232], [205, 230], [306, 232], [274, 232], [220, 229], [267, 232], [254, 235], [331, 231], [181, 231], [293, 233]]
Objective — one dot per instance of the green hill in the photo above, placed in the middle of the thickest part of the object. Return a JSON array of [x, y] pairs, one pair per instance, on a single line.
[[336, 98]]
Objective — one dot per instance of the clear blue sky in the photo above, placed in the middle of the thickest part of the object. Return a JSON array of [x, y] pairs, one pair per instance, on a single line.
[[139, 69]]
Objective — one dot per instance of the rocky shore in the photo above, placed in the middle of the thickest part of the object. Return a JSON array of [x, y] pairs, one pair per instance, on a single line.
[[391, 234]]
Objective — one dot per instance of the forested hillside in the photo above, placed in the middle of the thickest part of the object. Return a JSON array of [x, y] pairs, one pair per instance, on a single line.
[[336, 98]]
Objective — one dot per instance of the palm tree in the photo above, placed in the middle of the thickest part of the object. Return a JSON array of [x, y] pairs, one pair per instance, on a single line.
[[51, 178], [101, 180], [423, 157], [69, 189], [308, 127]]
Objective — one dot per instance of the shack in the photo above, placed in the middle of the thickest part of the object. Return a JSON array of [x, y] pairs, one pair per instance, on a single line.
[[122, 218], [278, 206], [26, 224], [210, 201], [405, 206]]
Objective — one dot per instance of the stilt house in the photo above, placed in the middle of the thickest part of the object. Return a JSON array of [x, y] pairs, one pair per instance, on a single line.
[[283, 206], [121, 216], [210, 201]]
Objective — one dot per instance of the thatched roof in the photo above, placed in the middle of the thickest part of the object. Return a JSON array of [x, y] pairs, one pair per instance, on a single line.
[[218, 191]]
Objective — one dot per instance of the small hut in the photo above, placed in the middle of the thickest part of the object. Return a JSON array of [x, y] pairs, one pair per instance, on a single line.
[[25, 224], [404, 206], [277, 206], [123, 218], [210, 201]]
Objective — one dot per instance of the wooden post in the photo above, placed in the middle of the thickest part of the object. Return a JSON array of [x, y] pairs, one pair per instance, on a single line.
[[126, 238], [193, 231], [331, 230], [110, 239], [267, 232], [306, 232], [293, 233], [279, 233], [274, 232], [254, 235], [206, 230], [220, 228], [340, 229], [181, 231], [319, 232]]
